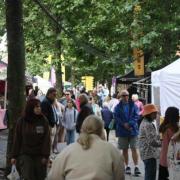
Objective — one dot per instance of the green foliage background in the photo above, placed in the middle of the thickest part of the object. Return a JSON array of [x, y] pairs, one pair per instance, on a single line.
[[100, 35]]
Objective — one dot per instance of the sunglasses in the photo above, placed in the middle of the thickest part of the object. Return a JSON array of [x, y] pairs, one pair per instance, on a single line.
[[125, 95], [67, 94]]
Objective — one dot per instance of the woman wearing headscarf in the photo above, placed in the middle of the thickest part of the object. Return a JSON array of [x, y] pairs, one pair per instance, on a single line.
[[31, 145]]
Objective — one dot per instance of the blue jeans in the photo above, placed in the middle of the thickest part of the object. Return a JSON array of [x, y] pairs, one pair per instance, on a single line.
[[70, 136], [150, 169]]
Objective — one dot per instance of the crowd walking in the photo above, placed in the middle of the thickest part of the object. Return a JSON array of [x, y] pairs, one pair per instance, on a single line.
[[89, 118]]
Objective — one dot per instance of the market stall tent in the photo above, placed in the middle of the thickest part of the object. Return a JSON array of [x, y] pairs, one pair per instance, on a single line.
[[43, 84], [166, 86], [3, 90], [135, 84]]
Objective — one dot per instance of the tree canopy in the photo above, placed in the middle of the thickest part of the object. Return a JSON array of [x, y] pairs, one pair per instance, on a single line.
[[98, 37]]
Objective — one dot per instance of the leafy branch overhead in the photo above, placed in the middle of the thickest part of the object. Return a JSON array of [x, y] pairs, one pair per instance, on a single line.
[[99, 36]]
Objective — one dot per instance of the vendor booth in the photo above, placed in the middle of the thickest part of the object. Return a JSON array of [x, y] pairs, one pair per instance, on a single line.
[[166, 86], [3, 95], [42, 84], [135, 85]]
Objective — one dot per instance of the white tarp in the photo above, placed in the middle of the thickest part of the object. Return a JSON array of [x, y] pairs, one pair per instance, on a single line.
[[166, 86]]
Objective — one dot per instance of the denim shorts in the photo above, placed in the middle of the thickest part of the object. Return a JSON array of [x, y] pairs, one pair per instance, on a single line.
[[126, 142]]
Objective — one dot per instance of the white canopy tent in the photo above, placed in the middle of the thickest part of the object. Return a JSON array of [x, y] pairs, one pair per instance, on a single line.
[[166, 86], [43, 84]]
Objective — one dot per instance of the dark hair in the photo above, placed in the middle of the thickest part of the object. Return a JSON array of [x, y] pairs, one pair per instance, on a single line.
[[83, 90], [29, 109], [68, 90], [50, 90], [84, 97], [73, 103], [148, 117], [90, 98], [170, 120], [114, 95]]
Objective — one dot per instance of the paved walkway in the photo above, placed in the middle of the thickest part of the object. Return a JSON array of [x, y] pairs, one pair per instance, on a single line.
[[3, 145], [113, 140]]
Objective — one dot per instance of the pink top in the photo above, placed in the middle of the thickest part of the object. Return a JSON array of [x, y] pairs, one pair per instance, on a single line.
[[165, 143], [78, 104], [140, 106]]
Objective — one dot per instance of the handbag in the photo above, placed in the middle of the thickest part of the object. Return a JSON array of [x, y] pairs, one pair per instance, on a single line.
[[14, 175], [111, 125]]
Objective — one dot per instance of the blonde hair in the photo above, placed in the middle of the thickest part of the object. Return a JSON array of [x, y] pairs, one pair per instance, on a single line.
[[91, 125], [135, 97], [105, 104]]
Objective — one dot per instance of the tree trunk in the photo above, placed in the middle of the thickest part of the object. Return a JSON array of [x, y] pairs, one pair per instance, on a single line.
[[73, 78], [59, 85], [16, 68]]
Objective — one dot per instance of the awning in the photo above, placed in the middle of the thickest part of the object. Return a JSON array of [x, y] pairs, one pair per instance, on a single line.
[[129, 78]]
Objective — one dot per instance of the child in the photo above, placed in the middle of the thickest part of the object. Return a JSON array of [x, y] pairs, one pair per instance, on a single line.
[[95, 107], [167, 128], [149, 141], [69, 121], [107, 117]]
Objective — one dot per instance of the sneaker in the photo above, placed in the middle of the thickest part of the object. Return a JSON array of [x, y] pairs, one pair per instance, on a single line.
[[128, 170], [136, 171]]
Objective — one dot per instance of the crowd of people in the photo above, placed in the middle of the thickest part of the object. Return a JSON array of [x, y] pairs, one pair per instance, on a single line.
[[89, 118]]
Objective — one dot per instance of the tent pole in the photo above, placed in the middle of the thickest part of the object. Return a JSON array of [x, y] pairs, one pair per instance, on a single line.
[[5, 94]]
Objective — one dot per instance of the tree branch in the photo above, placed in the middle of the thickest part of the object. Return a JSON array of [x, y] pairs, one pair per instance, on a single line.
[[86, 46]]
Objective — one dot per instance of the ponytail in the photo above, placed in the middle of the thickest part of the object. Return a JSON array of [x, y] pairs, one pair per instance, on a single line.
[[85, 140], [91, 125]]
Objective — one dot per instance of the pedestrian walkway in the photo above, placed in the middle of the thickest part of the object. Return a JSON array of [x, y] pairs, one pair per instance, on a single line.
[[3, 147], [112, 139]]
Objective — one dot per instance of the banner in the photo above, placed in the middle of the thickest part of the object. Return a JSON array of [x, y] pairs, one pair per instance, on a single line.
[[88, 82], [138, 62]]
